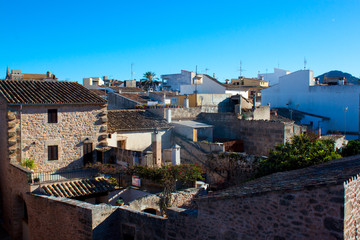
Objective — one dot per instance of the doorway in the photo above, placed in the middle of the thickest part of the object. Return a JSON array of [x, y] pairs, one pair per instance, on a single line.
[[88, 153]]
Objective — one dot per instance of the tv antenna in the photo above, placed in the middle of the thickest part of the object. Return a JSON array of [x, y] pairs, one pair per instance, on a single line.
[[132, 73], [241, 70], [305, 62], [206, 69]]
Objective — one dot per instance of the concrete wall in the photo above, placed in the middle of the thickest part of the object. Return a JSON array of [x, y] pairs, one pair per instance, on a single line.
[[75, 124], [258, 136], [297, 91], [175, 80], [139, 141]]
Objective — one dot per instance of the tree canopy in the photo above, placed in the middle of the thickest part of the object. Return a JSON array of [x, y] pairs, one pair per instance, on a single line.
[[352, 148], [301, 151], [149, 80]]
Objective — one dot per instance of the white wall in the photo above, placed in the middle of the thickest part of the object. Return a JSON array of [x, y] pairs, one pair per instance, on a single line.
[[299, 92], [245, 94], [176, 80], [273, 78], [208, 86], [93, 82], [139, 141]]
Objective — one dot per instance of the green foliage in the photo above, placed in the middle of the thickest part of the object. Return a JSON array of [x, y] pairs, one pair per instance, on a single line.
[[352, 148], [300, 152], [113, 181], [149, 80], [167, 176], [28, 163], [184, 172]]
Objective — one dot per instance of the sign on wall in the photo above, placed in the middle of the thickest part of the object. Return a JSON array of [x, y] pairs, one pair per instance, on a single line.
[[136, 181]]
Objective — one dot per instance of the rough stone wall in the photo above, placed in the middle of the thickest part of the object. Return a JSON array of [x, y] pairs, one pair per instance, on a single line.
[[315, 213], [182, 199], [258, 136], [352, 208], [75, 124]]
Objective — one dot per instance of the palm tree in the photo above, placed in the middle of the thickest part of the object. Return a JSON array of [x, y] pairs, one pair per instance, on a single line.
[[149, 80]]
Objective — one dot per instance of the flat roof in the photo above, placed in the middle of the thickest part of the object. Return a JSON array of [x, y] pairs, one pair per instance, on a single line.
[[193, 124]]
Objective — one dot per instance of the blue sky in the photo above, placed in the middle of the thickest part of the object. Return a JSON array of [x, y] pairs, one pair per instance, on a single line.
[[77, 39]]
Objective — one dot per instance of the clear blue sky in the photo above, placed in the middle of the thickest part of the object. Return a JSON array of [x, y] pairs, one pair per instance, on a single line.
[[76, 39]]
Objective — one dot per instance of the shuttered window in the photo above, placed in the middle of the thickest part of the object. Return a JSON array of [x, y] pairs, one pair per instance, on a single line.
[[52, 116], [53, 152]]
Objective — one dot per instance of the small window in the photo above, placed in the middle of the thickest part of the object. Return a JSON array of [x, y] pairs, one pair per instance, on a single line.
[[52, 116], [53, 152]]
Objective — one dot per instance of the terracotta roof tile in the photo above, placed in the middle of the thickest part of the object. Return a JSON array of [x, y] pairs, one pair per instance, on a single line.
[[44, 92], [133, 120], [77, 188]]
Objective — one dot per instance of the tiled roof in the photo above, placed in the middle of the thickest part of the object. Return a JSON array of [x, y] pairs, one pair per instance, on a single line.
[[29, 76], [78, 188], [141, 98], [44, 92], [134, 120], [331, 173]]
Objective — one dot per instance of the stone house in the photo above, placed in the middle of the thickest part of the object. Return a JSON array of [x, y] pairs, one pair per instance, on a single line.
[[139, 136], [58, 124]]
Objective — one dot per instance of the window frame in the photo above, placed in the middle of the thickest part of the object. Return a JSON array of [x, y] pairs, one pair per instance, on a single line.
[[52, 116], [53, 152]]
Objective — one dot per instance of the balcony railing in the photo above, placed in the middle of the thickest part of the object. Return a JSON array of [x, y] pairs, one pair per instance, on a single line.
[[37, 178]]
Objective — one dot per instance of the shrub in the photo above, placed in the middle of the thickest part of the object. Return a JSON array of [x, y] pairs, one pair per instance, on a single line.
[[352, 148], [28, 163], [299, 152]]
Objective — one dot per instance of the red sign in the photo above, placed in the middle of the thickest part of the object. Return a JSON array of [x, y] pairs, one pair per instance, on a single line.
[[136, 181]]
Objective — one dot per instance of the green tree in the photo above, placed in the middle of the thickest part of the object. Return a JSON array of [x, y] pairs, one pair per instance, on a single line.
[[352, 148], [299, 152], [149, 80], [167, 177]]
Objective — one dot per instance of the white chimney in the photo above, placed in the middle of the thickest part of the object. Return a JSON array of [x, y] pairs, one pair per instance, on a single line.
[[168, 115]]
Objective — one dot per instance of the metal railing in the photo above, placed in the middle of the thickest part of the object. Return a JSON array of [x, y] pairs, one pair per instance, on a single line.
[[37, 178]]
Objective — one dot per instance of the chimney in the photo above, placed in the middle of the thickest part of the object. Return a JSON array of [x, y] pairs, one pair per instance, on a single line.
[[156, 148], [48, 74], [168, 115], [213, 75], [226, 81]]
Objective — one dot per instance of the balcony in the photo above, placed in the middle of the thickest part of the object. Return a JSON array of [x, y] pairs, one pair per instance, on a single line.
[[47, 177]]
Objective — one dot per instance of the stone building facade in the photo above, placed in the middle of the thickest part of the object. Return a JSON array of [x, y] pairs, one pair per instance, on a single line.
[[75, 124], [37, 117]]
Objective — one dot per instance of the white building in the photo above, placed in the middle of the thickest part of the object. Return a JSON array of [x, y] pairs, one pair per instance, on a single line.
[[189, 82], [299, 91], [93, 82], [273, 78]]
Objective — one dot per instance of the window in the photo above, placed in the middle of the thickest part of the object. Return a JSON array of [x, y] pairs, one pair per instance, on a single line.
[[52, 116], [53, 152]]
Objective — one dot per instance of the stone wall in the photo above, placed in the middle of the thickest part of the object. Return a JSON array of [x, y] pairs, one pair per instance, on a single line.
[[75, 124], [352, 208], [182, 199], [116, 101], [303, 214], [258, 136]]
